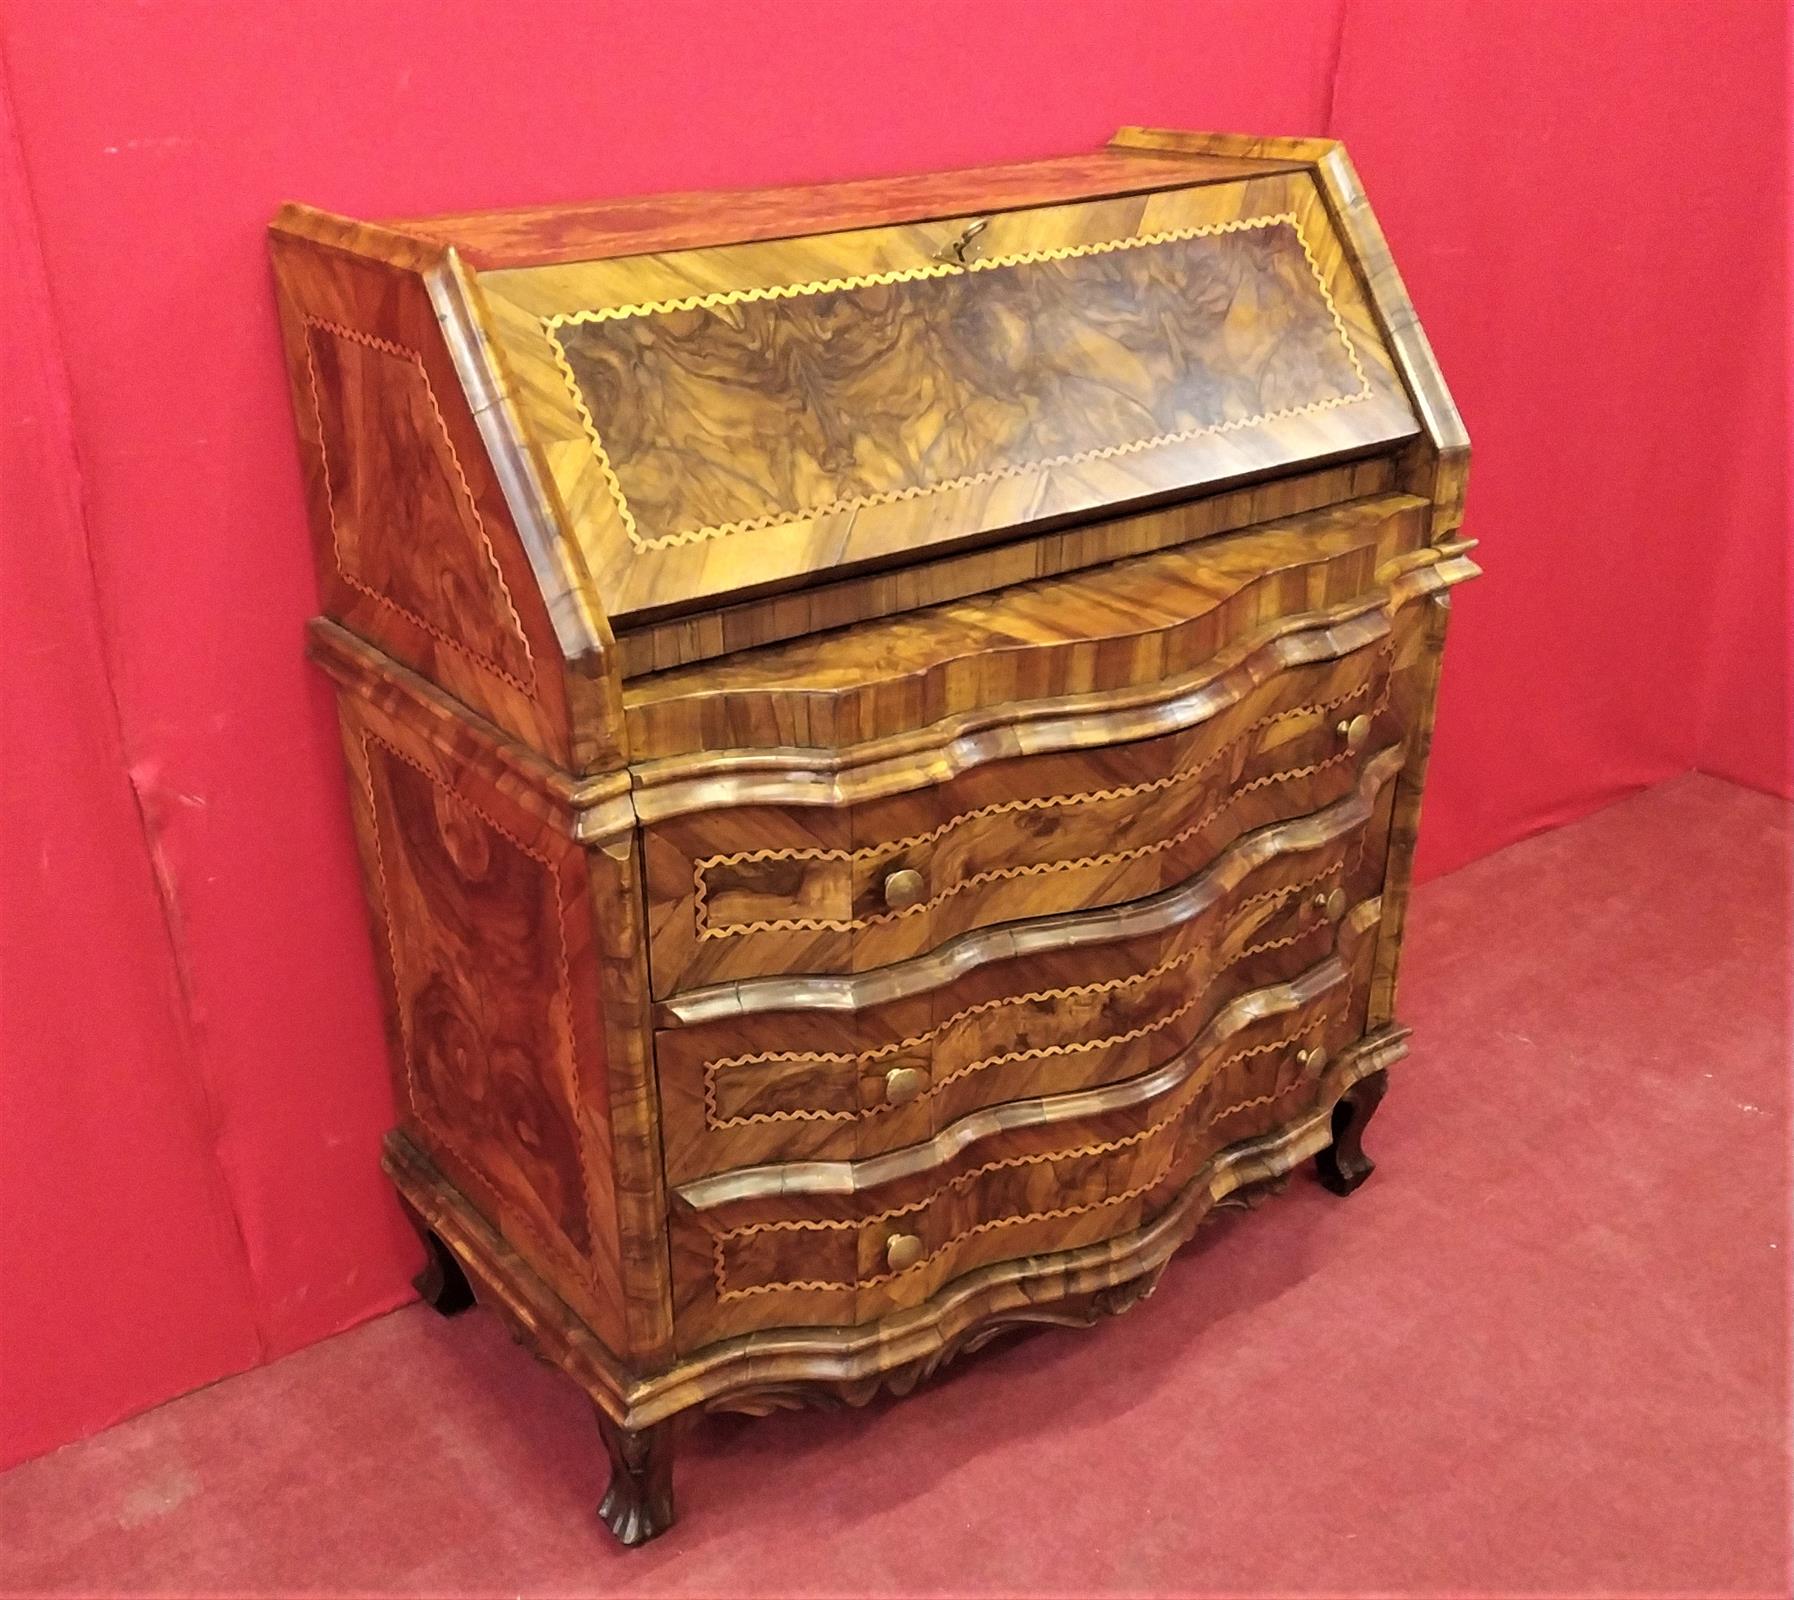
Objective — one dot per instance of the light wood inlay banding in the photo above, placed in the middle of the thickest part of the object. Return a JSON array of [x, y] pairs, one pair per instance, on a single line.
[[708, 929], [554, 326], [464, 489], [1185, 1093]]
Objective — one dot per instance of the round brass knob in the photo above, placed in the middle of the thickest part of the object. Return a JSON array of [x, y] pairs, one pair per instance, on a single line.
[[1331, 906], [902, 1250], [904, 888], [903, 1084], [1355, 732], [1312, 1060]]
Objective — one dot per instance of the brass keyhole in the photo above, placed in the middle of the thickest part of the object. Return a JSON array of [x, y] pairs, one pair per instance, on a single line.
[[953, 253]]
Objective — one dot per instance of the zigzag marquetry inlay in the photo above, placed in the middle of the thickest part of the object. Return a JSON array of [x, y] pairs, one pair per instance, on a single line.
[[1036, 1053], [552, 324], [708, 929], [1184, 1095], [463, 486]]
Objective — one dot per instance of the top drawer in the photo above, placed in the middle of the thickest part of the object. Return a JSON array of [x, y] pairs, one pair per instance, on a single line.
[[756, 891]]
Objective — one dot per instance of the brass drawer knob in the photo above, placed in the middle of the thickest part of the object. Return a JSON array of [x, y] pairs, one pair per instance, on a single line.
[[904, 888], [1331, 906], [1355, 732], [903, 1084], [1313, 1060], [902, 1250]]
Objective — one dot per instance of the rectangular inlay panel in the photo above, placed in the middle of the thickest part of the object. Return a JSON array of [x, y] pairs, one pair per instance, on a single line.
[[859, 391]]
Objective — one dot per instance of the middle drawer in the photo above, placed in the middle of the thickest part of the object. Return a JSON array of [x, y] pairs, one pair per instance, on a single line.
[[853, 1066], [756, 891]]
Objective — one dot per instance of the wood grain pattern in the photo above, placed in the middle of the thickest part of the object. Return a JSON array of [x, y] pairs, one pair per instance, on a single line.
[[885, 729], [1031, 836], [644, 572], [1042, 358], [552, 235], [1443, 468], [655, 647], [1027, 1177], [796, 1072], [481, 930], [1136, 624]]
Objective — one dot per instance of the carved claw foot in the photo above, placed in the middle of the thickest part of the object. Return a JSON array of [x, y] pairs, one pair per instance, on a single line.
[[1344, 1165], [442, 1284], [638, 1505]]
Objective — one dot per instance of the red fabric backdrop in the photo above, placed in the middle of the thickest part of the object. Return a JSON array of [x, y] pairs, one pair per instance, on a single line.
[[1588, 200]]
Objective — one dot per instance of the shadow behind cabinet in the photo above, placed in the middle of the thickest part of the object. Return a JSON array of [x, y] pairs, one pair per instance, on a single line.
[[885, 726]]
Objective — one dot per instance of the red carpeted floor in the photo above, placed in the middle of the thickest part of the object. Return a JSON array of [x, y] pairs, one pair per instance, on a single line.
[[1545, 1349]]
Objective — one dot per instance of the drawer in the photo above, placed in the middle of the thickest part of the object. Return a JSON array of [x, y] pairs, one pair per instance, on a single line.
[[753, 891], [846, 1243], [789, 1070]]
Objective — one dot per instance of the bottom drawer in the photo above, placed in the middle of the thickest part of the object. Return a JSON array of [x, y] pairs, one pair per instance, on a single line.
[[838, 1243]]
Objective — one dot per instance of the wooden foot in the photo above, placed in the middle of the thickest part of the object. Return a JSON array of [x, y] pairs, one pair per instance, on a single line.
[[638, 1505], [1344, 1165], [442, 1284]]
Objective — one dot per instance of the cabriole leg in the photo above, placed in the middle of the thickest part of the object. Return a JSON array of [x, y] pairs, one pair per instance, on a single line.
[[1344, 1165], [442, 1284], [638, 1505]]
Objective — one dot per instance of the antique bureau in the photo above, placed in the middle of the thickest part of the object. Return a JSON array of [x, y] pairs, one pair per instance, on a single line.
[[885, 725]]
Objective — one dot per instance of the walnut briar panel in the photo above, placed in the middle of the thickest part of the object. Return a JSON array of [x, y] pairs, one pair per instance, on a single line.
[[482, 927], [1047, 358], [866, 393], [885, 729]]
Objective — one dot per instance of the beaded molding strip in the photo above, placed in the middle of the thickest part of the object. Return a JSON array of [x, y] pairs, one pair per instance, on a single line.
[[552, 325]]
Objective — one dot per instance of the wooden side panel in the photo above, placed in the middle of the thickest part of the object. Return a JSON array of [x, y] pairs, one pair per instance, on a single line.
[[1418, 690], [488, 948], [415, 545]]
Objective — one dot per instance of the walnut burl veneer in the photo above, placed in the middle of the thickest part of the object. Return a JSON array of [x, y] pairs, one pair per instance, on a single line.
[[885, 726]]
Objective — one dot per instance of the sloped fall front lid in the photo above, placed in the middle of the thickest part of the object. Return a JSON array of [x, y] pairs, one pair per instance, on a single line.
[[730, 419]]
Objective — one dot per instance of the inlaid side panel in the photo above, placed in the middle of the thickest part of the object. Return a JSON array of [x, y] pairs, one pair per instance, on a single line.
[[484, 933], [405, 532], [416, 548]]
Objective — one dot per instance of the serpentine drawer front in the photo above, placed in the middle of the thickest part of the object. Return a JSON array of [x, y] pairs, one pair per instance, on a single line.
[[782, 1071], [885, 728], [755, 1250], [848, 889]]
